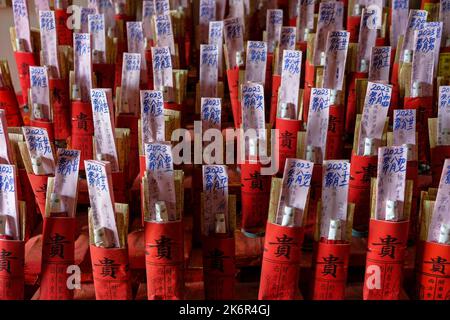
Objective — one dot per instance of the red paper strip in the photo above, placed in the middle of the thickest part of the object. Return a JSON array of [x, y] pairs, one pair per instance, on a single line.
[[315, 195], [11, 270], [276, 82], [61, 107], [287, 141], [330, 271], [353, 26], [104, 73], [351, 112], [8, 102], [111, 270], [233, 85], [335, 141], [281, 263], [434, 273], [164, 258], [119, 186], [82, 130], [39, 186], [385, 258], [219, 267], [23, 61], [58, 253], [310, 82], [64, 34]]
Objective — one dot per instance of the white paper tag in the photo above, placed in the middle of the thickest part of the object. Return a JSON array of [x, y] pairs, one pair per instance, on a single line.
[[380, 64], [83, 64], [49, 42], [66, 181], [211, 111], [22, 24], [207, 13], [234, 39], [152, 115], [256, 62], [97, 29], [443, 132], [164, 33], [290, 77], [274, 22], [162, 68], [40, 149], [336, 57], [131, 71], [404, 127], [209, 60], [40, 93], [8, 200], [216, 38], [136, 43]]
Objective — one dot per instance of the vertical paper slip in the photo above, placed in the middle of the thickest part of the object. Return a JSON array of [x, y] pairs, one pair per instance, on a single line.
[[8, 200], [336, 177], [104, 135], [274, 22], [215, 190], [399, 20], [443, 132], [207, 13], [209, 60], [211, 112], [441, 211], [66, 180], [318, 118], [161, 185], [148, 12], [234, 39], [82, 63], [376, 106], [5, 148], [136, 41], [444, 16], [253, 111], [391, 180], [49, 42], [336, 57], [330, 19], [295, 187], [40, 150], [131, 72], [404, 127], [106, 8], [367, 37], [40, 93], [416, 21], [380, 64], [162, 6], [97, 29], [98, 175], [256, 60], [288, 40], [84, 19], [216, 38], [164, 33], [162, 68], [290, 77], [305, 18], [22, 24], [152, 115]]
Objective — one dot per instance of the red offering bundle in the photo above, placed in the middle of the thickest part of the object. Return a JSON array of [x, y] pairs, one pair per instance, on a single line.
[[218, 225], [284, 233], [108, 230], [8, 99]]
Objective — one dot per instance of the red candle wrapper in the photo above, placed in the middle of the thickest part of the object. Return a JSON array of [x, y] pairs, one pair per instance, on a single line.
[[164, 258], [438, 156], [119, 186], [59, 91], [105, 73], [149, 61], [233, 85], [281, 263], [310, 79], [23, 61], [82, 130], [142, 166], [58, 253], [353, 25], [26, 194], [47, 125], [39, 186], [219, 267], [287, 140], [11, 269], [64, 34], [434, 272], [424, 111], [8, 102], [385, 258], [255, 197], [111, 270], [276, 82], [350, 117], [269, 64], [362, 170], [335, 134], [330, 267]]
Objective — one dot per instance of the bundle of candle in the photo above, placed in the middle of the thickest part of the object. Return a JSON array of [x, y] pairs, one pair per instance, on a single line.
[[210, 140]]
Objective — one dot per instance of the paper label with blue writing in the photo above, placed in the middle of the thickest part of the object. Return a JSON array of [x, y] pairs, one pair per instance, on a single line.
[[443, 132], [288, 40], [161, 184], [404, 127], [207, 13], [441, 209], [416, 21], [162, 67], [162, 7], [330, 18], [253, 110], [84, 19], [22, 23], [444, 16], [305, 18], [318, 118], [131, 71], [164, 33], [295, 187], [40, 150], [367, 38], [136, 44], [336, 56], [101, 197], [380, 64], [5, 148], [376, 106], [40, 93], [8, 200], [49, 42], [234, 39], [152, 116], [148, 11], [335, 182], [66, 180], [215, 191], [216, 38], [426, 57], [256, 60], [274, 22], [290, 77], [209, 60], [105, 7], [104, 136], [399, 21], [391, 180], [97, 29], [236, 9], [211, 113], [83, 64], [41, 5]]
